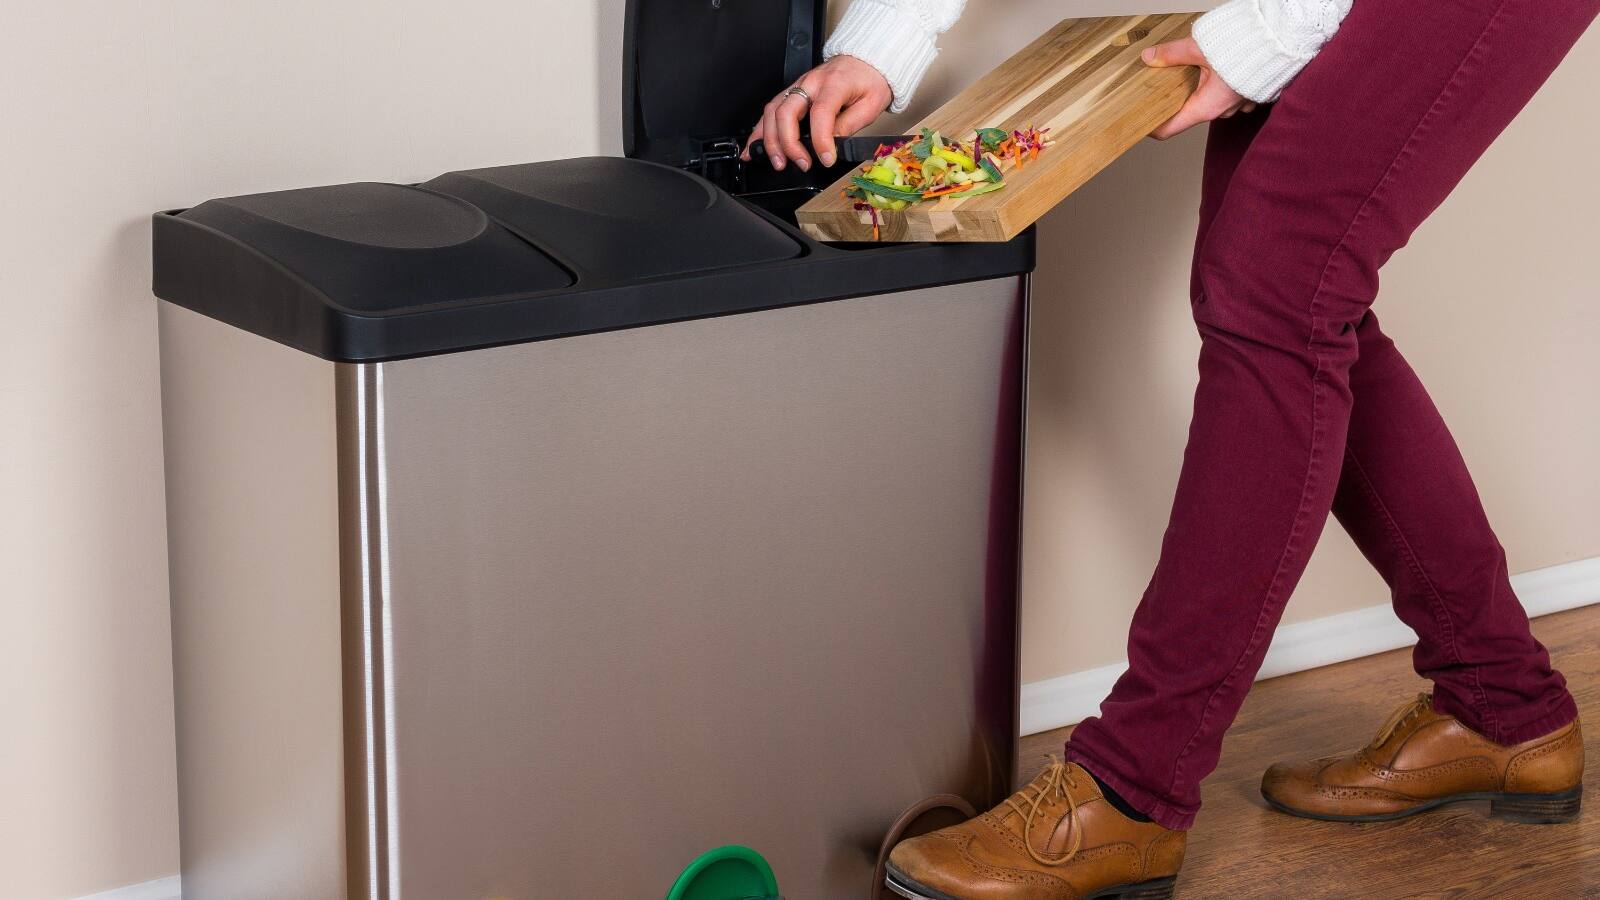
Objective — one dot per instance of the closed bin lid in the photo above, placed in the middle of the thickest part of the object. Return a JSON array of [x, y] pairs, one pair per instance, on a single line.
[[374, 248], [620, 219]]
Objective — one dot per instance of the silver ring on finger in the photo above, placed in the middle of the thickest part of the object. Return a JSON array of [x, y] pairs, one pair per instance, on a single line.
[[797, 91]]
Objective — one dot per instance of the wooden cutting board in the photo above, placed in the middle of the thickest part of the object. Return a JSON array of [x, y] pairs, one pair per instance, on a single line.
[[1082, 79]]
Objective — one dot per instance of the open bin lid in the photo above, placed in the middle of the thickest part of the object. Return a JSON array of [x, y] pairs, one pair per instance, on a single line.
[[700, 72]]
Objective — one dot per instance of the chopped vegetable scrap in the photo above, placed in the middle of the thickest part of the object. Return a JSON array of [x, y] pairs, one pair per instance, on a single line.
[[933, 167]]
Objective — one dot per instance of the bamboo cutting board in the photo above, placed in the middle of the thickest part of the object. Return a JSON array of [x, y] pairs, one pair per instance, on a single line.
[[1084, 80]]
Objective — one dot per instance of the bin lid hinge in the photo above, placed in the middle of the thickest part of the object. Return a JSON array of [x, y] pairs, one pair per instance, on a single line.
[[717, 160]]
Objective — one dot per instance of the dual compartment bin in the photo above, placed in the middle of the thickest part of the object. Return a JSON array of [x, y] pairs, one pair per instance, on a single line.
[[537, 528]]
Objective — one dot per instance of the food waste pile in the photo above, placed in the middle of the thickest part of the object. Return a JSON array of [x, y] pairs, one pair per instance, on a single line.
[[934, 167]]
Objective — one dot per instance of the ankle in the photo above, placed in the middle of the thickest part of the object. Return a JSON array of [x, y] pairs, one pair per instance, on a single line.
[[1115, 799]]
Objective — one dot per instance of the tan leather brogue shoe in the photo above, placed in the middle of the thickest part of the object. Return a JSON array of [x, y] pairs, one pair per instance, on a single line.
[[1056, 839], [1422, 759]]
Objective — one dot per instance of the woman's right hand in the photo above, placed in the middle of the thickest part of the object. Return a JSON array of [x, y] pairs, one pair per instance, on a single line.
[[1212, 98], [846, 95]]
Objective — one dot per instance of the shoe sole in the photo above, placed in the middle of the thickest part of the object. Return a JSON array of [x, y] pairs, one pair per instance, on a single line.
[[1529, 809], [1158, 889]]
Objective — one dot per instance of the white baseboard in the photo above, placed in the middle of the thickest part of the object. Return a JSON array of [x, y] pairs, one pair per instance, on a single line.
[[169, 888], [1064, 700]]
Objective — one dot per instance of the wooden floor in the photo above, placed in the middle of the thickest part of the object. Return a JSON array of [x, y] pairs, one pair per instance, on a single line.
[[1241, 849]]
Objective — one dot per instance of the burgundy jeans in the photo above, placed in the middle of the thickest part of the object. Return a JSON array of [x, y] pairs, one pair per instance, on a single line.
[[1304, 406]]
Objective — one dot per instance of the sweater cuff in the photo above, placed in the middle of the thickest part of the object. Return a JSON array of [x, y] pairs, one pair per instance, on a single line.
[[1244, 51], [889, 40]]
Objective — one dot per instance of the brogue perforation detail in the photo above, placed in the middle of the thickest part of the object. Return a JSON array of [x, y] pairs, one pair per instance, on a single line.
[[989, 855], [1147, 864], [1366, 786], [1333, 792], [998, 827], [1526, 757], [1477, 763], [1005, 873]]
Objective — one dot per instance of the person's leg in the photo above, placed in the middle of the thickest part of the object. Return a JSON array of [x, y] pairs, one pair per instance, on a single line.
[[1407, 500], [1366, 143], [1500, 724], [1227, 142]]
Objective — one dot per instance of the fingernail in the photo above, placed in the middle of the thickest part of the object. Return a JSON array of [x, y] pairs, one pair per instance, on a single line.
[[1149, 55], [827, 159], [777, 162], [804, 164]]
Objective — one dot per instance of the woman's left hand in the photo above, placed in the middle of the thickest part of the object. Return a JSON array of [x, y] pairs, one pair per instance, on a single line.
[[1213, 99]]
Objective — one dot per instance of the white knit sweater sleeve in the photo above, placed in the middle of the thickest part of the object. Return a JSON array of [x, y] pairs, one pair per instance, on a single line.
[[1259, 46], [1256, 46], [896, 37]]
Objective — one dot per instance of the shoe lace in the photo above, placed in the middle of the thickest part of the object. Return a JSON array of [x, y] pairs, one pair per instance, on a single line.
[[1401, 716], [1055, 781]]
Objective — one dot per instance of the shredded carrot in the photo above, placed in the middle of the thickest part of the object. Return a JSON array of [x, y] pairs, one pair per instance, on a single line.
[[955, 189]]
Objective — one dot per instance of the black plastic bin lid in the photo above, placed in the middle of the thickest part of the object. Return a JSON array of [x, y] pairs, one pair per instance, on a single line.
[[370, 272], [701, 70], [619, 219], [373, 248]]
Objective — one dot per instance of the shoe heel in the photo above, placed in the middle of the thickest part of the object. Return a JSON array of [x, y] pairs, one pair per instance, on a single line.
[[1538, 809], [1160, 889]]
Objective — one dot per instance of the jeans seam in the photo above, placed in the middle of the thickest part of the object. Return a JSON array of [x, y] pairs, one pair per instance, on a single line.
[[1441, 612], [1296, 528], [1363, 212]]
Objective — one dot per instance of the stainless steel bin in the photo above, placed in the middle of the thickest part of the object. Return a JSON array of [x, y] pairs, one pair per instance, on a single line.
[[535, 529]]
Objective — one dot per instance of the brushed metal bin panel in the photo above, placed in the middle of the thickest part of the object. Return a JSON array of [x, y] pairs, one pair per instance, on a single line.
[[253, 552], [634, 595], [549, 620]]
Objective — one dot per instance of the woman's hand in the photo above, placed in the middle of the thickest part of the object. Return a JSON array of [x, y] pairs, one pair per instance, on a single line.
[[846, 95], [1213, 99]]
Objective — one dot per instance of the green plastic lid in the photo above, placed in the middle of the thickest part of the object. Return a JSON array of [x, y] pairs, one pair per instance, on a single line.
[[726, 873]]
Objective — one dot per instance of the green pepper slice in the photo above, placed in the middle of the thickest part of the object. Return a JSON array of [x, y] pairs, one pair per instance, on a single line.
[[884, 190]]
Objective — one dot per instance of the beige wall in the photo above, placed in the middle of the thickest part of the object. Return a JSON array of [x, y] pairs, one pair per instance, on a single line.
[[1496, 303], [112, 111]]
